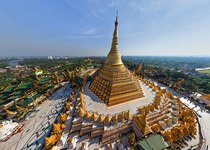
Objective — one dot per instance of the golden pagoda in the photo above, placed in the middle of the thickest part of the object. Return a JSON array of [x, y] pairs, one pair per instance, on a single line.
[[115, 119], [88, 115], [81, 112], [95, 116], [113, 83], [101, 119]]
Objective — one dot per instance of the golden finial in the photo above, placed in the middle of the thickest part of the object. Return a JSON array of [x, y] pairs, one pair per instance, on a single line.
[[116, 17]]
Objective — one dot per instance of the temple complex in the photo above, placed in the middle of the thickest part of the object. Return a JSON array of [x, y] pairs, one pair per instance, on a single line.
[[113, 82], [70, 102], [142, 112]]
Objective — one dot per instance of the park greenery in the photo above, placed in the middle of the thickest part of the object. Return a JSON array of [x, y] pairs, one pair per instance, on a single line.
[[23, 89], [207, 71], [20, 94], [177, 72]]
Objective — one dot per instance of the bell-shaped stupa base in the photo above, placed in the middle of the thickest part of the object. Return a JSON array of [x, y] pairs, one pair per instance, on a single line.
[[115, 85]]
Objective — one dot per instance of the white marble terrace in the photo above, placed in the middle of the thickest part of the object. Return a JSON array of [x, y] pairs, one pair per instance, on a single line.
[[93, 103]]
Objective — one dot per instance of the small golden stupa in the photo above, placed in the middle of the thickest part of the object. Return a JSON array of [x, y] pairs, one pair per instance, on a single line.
[[113, 83]]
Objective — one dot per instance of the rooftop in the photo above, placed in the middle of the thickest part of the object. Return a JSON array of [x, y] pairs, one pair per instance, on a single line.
[[155, 141]]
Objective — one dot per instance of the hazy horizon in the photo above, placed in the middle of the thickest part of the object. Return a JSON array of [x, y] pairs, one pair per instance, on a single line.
[[84, 28], [199, 56]]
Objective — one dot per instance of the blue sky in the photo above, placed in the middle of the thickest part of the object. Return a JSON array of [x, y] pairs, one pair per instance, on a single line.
[[85, 27]]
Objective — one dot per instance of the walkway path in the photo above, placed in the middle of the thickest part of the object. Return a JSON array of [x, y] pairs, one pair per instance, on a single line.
[[93, 103], [204, 118], [37, 122]]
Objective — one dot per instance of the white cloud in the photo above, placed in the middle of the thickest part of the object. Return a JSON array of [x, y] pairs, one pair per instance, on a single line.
[[146, 6], [91, 31], [83, 36]]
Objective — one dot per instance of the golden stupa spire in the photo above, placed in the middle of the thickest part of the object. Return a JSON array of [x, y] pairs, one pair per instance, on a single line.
[[114, 57], [118, 83]]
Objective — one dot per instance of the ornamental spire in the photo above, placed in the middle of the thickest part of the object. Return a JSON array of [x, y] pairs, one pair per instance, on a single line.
[[114, 57], [115, 34]]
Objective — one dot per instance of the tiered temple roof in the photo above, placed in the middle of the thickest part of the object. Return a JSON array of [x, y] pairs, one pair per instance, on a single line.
[[113, 82]]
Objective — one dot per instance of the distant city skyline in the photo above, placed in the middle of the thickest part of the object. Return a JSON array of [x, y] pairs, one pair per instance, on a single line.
[[85, 28]]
